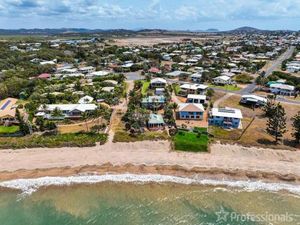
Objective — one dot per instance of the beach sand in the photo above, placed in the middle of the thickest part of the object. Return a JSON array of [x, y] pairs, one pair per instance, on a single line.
[[148, 157]]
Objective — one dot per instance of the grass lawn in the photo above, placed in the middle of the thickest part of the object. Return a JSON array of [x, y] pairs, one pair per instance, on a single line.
[[53, 141], [9, 130], [146, 85], [223, 134], [226, 87], [190, 141], [123, 136]]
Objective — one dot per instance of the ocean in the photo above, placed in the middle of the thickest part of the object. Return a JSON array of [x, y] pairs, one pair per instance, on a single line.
[[130, 199]]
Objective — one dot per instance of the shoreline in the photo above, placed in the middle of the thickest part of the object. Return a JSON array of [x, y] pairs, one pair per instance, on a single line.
[[171, 170], [232, 162]]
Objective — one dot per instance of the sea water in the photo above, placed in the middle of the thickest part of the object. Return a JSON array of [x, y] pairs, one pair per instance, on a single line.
[[147, 199]]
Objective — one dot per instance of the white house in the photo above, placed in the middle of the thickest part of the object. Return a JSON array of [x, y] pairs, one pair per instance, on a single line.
[[71, 111], [87, 69], [196, 77], [177, 73], [226, 117], [282, 89], [200, 99], [253, 100], [98, 74], [193, 88], [222, 80], [158, 83]]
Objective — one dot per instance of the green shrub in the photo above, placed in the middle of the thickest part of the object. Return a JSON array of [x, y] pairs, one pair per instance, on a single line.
[[53, 141]]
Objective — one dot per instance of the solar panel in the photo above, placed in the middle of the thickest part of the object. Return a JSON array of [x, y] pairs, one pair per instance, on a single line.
[[5, 105], [226, 111]]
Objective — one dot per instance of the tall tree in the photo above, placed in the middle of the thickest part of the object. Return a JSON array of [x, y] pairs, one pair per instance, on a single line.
[[296, 126], [270, 106], [276, 125]]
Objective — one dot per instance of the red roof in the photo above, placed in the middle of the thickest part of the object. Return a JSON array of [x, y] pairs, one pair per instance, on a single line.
[[44, 76], [154, 70]]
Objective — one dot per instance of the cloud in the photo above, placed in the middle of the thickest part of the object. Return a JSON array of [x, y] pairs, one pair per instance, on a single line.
[[158, 11]]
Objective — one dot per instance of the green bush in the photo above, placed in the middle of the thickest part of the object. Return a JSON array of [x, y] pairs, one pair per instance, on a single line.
[[53, 141]]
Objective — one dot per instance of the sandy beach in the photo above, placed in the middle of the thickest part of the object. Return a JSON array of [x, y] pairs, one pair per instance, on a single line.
[[152, 157]]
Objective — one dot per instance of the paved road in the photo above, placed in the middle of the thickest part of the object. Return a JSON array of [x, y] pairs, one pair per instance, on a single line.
[[277, 63], [250, 88]]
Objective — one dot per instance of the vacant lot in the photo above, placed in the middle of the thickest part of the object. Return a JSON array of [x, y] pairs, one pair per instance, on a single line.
[[256, 134], [227, 87], [80, 126], [191, 141], [151, 40], [234, 102]]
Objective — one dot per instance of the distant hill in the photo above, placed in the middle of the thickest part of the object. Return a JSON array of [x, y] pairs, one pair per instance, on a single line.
[[125, 32], [62, 31], [212, 30], [245, 30]]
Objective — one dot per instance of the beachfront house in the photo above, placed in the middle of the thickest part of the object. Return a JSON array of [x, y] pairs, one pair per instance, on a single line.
[[155, 122], [153, 102], [226, 117], [8, 109], [282, 89], [190, 111], [64, 111]]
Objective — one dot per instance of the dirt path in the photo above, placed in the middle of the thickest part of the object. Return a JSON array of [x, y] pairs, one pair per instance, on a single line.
[[117, 113], [216, 103]]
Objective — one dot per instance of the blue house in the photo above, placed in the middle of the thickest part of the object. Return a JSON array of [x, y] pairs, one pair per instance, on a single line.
[[226, 118], [153, 102], [190, 111]]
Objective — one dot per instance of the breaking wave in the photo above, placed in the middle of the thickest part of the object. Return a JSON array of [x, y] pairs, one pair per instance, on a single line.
[[28, 186]]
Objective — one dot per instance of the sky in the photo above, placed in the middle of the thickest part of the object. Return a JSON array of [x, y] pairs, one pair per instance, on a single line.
[[154, 14]]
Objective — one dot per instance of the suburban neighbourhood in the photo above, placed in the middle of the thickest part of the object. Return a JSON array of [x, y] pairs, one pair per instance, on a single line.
[[193, 92], [149, 112]]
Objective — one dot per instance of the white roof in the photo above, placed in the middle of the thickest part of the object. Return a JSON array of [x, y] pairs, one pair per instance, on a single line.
[[158, 80], [255, 97], [177, 73], [87, 68], [99, 73], [196, 75], [108, 89], [283, 86], [201, 97], [86, 99], [194, 86], [227, 112], [69, 107], [225, 78]]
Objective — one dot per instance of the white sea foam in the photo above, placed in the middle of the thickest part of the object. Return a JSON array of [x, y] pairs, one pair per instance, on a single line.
[[28, 186]]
